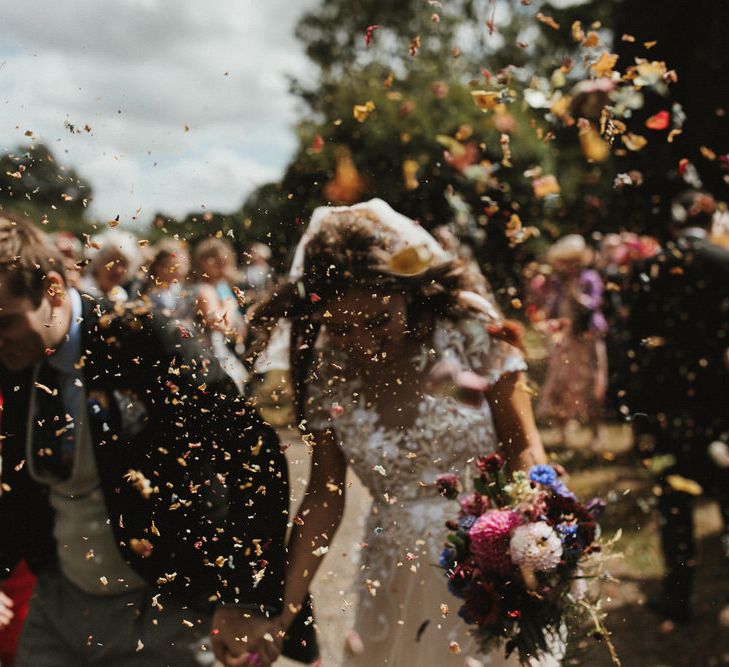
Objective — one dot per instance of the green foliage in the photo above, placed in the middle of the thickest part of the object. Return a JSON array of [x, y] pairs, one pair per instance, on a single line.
[[259, 220], [425, 117], [409, 150], [32, 183]]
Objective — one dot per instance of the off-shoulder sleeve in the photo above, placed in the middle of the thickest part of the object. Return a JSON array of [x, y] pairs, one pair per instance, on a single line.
[[471, 344]]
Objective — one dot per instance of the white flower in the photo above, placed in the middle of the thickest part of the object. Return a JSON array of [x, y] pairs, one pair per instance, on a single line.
[[536, 546]]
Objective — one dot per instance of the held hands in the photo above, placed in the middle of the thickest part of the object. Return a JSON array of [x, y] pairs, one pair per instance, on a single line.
[[6, 610], [243, 638]]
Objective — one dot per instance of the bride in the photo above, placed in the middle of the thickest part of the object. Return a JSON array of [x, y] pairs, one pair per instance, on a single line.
[[403, 373]]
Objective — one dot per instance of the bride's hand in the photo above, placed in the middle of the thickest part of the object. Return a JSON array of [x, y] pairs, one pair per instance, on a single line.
[[243, 638]]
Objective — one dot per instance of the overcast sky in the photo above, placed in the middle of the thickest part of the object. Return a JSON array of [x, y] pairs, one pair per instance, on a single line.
[[138, 72]]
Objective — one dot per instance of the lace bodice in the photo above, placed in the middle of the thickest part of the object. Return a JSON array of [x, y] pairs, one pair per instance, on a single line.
[[405, 527], [402, 463]]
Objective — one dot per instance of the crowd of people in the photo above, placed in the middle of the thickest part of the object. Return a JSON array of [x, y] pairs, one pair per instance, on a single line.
[[647, 327], [143, 490]]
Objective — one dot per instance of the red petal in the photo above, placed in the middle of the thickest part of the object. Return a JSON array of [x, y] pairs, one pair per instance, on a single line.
[[660, 121]]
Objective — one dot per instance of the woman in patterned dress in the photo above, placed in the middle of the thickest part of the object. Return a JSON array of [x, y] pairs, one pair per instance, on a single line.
[[571, 314], [403, 373]]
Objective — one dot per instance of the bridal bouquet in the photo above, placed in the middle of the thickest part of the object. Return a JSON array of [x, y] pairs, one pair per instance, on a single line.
[[518, 555]]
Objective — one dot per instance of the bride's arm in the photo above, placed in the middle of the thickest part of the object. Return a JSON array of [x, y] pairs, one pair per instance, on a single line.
[[514, 420], [315, 523]]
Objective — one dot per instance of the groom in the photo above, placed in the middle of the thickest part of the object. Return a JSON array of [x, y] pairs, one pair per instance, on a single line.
[[150, 500], [678, 335]]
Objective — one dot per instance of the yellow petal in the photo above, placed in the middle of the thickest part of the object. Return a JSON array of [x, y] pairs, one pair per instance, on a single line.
[[684, 485], [410, 174], [561, 106], [647, 73], [486, 100], [605, 63], [545, 186], [411, 261], [593, 147], [634, 142], [362, 111]]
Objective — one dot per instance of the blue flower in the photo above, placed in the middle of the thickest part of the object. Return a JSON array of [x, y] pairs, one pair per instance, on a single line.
[[567, 529], [467, 522], [447, 556], [457, 588], [543, 474], [560, 488]]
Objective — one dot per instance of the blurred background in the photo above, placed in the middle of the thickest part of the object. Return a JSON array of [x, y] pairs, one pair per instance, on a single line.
[[502, 125]]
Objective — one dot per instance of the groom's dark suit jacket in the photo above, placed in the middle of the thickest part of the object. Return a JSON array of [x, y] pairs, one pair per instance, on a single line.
[[678, 333], [195, 483]]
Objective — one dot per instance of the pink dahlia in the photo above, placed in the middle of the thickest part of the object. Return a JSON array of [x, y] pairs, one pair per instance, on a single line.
[[490, 537]]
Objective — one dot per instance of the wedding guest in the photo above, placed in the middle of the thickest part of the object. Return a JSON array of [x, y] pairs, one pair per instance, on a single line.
[[572, 318], [678, 384], [403, 373], [71, 252], [214, 307], [165, 285], [149, 499], [113, 262], [256, 271]]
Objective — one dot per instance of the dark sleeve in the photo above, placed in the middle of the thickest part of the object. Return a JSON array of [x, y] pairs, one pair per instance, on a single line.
[[10, 486], [239, 460], [258, 509], [26, 517], [9, 534]]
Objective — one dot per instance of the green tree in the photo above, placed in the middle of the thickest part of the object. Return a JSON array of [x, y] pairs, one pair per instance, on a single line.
[[390, 112], [424, 145], [33, 183]]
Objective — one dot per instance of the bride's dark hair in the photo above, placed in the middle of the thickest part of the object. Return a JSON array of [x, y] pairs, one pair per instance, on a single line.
[[351, 250]]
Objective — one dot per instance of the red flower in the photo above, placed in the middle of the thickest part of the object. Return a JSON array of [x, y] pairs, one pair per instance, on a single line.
[[482, 606], [448, 485], [491, 463], [474, 504]]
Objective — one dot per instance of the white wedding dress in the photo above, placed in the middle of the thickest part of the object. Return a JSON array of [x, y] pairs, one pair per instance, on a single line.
[[406, 616]]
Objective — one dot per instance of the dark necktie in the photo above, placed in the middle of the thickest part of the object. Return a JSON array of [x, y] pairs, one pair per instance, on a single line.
[[53, 432]]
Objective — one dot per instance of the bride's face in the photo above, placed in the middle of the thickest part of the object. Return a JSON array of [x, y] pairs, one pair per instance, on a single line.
[[367, 323]]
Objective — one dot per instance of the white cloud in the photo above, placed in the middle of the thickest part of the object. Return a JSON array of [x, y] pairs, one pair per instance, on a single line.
[[139, 71]]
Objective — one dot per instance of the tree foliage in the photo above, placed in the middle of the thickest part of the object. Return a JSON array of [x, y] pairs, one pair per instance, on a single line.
[[389, 112], [33, 183]]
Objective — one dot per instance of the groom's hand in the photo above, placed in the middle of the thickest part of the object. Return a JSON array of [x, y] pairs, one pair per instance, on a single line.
[[6, 610], [243, 638]]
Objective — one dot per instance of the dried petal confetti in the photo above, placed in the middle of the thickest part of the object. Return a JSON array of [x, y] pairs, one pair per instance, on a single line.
[[368, 34], [604, 65], [659, 121], [362, 112], [486, 100], [634, 142]]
